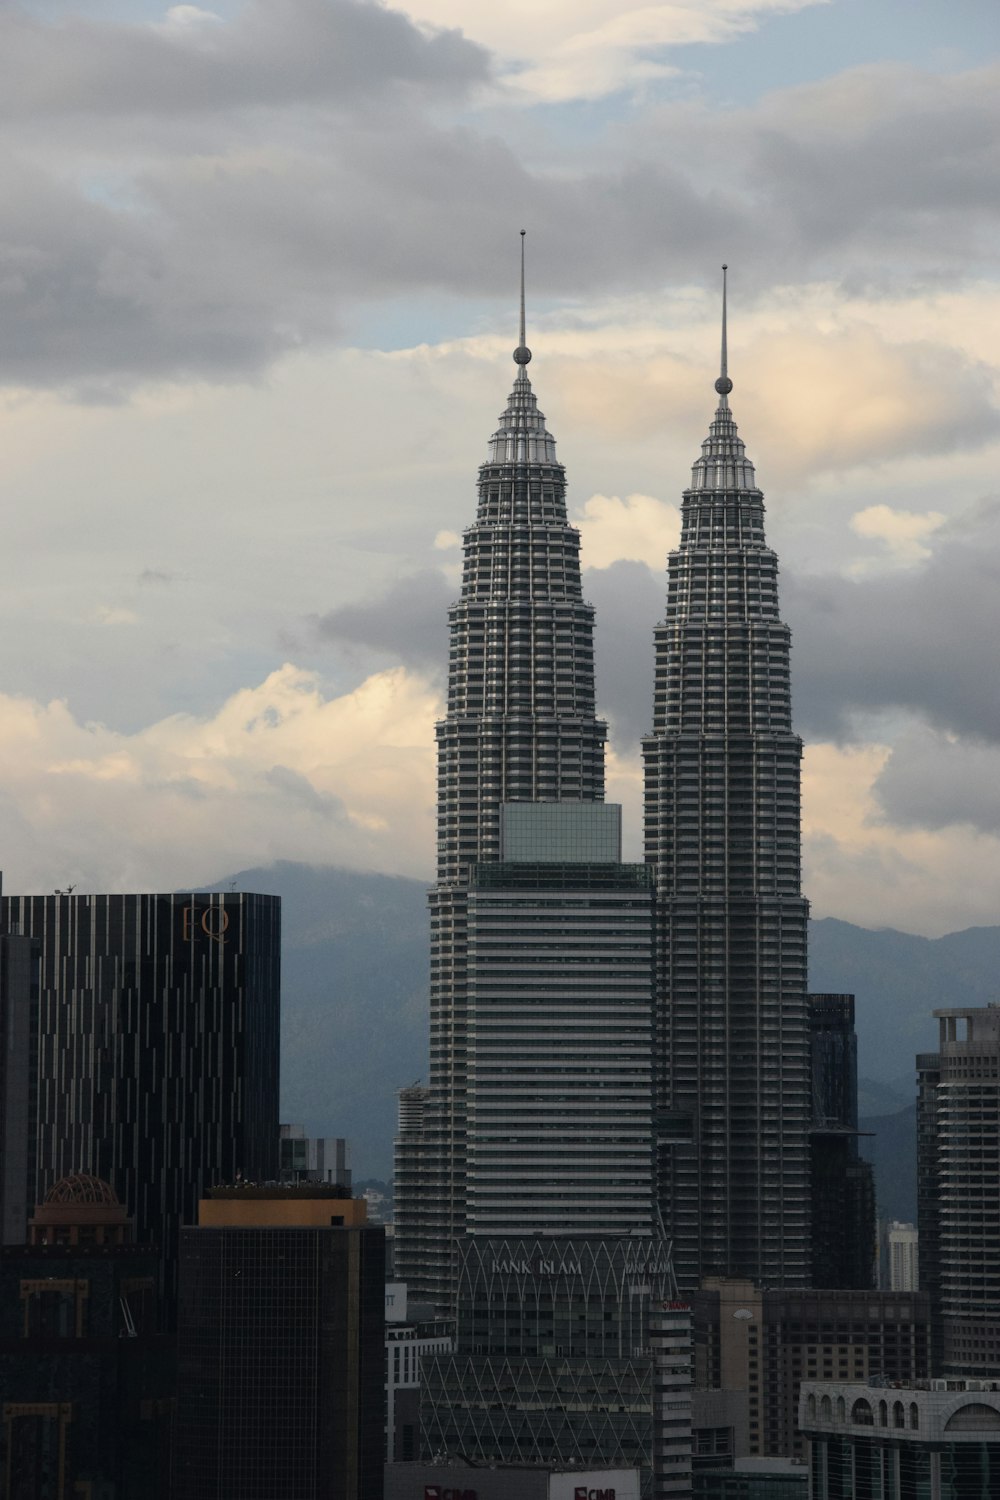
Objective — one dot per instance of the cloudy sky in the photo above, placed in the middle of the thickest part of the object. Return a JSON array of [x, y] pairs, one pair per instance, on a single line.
[[258, 266]]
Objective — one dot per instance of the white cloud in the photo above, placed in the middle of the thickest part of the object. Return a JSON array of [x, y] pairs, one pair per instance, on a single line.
[[903, 533], [586, 49], [112, 614], [863, 869], [279, 771], [639, 528], [187, 18]]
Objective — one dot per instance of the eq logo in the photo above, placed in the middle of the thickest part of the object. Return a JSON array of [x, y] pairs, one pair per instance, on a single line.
[[211, 920]]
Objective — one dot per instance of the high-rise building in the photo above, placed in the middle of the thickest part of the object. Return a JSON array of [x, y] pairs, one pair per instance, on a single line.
[[722, 811], [520, 727], [526, 1168], [958, 1190], [559, 1000], [842, 1183], [903, 1243], [18, 1000], [280, 1347], [151, 1044]]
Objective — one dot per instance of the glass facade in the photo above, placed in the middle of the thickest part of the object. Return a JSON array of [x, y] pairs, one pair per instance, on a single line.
[[153, 1058], [571, 832], [280, 1364]]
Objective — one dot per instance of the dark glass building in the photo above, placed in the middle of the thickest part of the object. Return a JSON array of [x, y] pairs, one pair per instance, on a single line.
[[281, 1348], [18, 1002], [843, 1185], [86, 1376], [152, 1048], [722, 816]]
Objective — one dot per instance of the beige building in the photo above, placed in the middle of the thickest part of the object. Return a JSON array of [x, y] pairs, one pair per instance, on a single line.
[[767, 1342]]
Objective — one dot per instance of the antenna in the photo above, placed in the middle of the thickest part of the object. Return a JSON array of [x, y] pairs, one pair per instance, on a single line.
[[724, 385], [522, 354]]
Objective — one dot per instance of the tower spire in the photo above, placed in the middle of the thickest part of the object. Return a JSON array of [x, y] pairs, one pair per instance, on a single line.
[[522, 354], [724, 385]]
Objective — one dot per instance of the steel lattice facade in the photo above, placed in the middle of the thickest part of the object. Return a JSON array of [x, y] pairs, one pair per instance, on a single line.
[[722, 830]]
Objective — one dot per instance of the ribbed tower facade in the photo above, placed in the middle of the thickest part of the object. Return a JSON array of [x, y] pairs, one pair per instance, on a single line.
[[520, 727], [722, 832]]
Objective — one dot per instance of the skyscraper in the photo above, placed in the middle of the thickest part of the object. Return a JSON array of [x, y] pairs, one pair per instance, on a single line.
[[842, 1184], [525, 1183], [958, 1190], [150, 1047], [520, 727], [722, 830]]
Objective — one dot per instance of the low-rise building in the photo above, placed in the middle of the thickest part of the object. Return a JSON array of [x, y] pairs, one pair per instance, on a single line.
[[939, 1441]]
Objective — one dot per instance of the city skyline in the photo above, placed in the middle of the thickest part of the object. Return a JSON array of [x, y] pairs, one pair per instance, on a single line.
[[235, 461]]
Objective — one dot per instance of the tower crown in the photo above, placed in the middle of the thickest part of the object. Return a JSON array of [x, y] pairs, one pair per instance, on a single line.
[[723, 464], [522, 436]]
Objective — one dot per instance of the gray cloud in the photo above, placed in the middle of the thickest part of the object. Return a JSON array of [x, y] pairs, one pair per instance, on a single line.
[[298, 789], [922, 641], [196, 203], [628, 599], [931, 780], [158, 577], [277, 53], [408, 623]]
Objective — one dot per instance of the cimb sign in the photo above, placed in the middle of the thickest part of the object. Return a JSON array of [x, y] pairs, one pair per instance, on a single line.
[[583, 1493], [444, 1492]]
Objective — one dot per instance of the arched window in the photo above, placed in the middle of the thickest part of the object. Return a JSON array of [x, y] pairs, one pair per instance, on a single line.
[[974, 1416], [826, 1409], [811, 1408], [883, 1414], [861, 1414], [914, 1415], [841, 1409], [898, 1415]]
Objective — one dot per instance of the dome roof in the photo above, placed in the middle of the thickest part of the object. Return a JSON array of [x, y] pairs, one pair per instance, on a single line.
[[82, 1188]]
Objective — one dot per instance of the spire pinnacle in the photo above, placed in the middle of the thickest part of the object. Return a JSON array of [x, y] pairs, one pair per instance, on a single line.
[[724, 385], [522, 353]]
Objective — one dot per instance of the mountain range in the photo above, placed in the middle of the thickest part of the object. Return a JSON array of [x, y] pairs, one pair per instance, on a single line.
[[354, 1008]]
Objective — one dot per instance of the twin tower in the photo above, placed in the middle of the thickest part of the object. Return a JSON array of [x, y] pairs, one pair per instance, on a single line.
[[616, 1050]]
